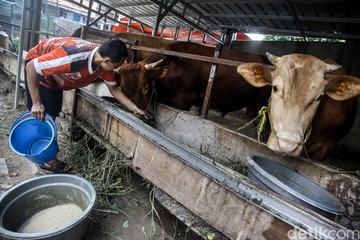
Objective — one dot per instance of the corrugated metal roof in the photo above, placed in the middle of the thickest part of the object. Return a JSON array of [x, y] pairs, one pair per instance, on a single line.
[[307, 18]]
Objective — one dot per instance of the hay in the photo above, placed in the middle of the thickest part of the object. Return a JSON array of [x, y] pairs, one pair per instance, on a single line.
[[262, 114], [96, 160]]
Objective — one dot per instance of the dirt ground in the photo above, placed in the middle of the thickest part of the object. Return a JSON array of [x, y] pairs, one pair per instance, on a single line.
[[139, 219]]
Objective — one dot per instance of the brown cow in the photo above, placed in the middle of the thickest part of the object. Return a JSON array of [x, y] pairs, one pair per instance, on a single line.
[[185, 82], [145, 40], [304, 102]]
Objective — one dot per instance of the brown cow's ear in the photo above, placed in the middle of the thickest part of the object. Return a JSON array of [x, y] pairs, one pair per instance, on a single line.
[[256, 74], [160, 72], [343, 87]]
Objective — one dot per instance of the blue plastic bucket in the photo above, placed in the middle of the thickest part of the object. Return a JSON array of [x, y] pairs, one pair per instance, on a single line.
[[34, 138]]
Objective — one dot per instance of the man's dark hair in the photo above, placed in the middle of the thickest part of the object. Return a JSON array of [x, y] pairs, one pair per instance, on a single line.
[[115, 49]]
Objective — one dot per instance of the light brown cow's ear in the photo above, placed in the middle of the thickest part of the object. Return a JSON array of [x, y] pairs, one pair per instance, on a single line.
[[256, 74], [343, 87]]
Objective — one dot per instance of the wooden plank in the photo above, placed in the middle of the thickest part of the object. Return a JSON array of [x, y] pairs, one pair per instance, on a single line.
[[213, 60], [114, 131], [234, 217]]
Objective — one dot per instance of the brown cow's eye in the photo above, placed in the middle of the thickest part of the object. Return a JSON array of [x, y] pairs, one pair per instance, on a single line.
[[274, 88]]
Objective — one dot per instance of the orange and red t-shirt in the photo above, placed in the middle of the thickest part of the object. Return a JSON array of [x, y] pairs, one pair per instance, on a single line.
[[66, 63]]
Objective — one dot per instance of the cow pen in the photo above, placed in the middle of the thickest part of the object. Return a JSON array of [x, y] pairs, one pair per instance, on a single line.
[[194, 168], [200, 163]]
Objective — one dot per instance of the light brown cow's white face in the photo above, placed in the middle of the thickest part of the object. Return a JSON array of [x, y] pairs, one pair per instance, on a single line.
[[298, 84]]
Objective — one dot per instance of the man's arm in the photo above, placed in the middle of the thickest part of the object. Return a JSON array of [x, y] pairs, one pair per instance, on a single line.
[[37, 109], [123, 99]]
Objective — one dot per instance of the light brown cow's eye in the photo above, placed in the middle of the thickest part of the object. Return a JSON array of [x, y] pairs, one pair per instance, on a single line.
[[274, 88], [320, 97]]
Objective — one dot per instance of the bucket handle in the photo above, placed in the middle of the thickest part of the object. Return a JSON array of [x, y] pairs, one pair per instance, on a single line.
[[29, 113]]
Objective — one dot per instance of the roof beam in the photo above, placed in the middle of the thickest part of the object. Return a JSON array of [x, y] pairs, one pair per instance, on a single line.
[[289, 32], [167, 9], [187, 21], [99, 17], [132, 4], [229, 1], [276, 17], [188, 6], [115, 13], [296, 18]]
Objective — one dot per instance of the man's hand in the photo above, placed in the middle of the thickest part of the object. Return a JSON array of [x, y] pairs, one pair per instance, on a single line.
[[38, 110], [124, 100], [138, 111]]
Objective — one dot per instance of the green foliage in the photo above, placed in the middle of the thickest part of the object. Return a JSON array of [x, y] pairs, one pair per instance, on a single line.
[[299, 39], [16, 42]]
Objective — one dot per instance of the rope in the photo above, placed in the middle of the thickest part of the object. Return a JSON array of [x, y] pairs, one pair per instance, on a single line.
[[154, 110], [307, 135]]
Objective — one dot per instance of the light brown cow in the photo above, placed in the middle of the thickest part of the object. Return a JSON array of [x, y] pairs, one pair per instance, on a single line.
[[303, 101]]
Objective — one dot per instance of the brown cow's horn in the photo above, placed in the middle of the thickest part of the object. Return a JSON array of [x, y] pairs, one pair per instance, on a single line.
[[331, 67], [152, 65], [272, 58]]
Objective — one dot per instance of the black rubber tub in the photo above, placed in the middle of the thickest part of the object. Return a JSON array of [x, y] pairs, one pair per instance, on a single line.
[[293, 186]]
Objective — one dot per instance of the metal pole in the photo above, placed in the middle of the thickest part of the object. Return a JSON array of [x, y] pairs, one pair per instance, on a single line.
[[35, 23], [189, 35], [158, 20], [85, 30], [12, 21], [20, 55]]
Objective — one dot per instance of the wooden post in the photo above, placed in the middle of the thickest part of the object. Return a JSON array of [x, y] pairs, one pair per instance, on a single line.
[[134, 56], [207, 97]]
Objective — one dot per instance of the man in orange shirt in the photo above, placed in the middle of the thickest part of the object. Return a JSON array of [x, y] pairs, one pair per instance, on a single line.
[[59, 64]]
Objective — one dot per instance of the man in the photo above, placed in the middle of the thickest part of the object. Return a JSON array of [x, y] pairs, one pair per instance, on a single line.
[[59, 64]]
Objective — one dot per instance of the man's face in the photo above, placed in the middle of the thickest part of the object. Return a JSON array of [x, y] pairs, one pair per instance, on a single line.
[[107, 65]]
